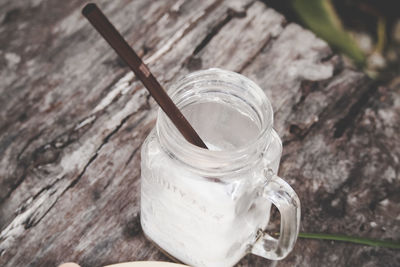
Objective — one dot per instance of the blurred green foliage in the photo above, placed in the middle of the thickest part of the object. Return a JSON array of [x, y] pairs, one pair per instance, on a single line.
[[321, 18]]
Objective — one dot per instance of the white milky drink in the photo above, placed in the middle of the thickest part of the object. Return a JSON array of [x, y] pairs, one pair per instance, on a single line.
[[208, 207]]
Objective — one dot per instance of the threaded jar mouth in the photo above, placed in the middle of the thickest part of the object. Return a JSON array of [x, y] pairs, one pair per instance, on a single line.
[[233, 109]]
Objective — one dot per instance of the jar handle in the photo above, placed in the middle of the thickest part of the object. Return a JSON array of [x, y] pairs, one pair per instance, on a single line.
[[286, 200]]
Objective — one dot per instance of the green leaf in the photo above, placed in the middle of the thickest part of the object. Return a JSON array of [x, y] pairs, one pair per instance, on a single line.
[[321, 18], [352, 239]]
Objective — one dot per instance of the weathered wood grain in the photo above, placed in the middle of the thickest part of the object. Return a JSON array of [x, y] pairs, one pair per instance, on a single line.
[[72, 120], [341, 150]]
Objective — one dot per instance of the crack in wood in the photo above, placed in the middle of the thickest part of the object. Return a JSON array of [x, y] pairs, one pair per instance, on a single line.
[[139, 146], [181, 33], [97, 192], [193, 62], [28, 143], [105, 141], [132, 155], [17, 182], [230, 14], [340, 193], [356, 109], [32, 220], [264, 48], [23, 163], [300, 132]]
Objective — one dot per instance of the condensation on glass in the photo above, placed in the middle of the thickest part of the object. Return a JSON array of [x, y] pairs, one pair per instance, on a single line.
[[209, 207]]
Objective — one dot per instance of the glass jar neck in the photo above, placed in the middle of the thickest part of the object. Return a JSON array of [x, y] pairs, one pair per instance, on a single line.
[[220, 87]]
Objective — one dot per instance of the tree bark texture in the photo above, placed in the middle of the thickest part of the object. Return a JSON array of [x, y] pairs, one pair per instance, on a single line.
[[73, 118]]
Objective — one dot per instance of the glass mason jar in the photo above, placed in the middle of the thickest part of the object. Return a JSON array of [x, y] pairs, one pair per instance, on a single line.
[[209, 207]]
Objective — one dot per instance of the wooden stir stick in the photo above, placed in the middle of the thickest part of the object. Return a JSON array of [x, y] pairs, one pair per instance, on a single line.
[[127, 54]]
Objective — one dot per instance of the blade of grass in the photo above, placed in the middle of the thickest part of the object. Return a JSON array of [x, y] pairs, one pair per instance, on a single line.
[[352, 239], [381, 33]]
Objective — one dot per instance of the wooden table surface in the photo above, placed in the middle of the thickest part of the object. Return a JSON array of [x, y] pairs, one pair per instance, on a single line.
[[73, 118]]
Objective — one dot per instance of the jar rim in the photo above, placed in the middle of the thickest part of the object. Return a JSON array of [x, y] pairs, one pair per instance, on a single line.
[[211, 162]]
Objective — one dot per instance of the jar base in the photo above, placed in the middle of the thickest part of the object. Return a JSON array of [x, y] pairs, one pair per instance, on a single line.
[[172, 258]]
